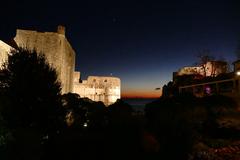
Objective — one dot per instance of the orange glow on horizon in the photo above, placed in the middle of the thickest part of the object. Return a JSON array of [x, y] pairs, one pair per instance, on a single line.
[[141, 94]]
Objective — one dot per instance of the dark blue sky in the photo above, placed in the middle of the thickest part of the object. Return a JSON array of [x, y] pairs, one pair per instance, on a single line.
[[140, 42]]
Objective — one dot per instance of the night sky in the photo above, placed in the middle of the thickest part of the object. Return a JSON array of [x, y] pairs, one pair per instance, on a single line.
[[140, 42]]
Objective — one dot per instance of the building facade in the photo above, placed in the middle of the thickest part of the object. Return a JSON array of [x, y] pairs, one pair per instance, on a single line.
[[211, 68], [57, 50], [105, 89], [229, 86], [4, 50], [61, 56]]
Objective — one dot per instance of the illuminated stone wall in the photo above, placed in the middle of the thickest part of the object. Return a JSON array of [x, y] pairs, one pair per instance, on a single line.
[[4, 50], [105, 89], [188, 71], [57, 50], [61, 56], [213, 68]]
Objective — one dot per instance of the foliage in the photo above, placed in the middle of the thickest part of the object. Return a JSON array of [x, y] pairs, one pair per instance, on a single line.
[[72, 109], [167, 118], [120, 113], [6, 137], [204, 56], [182, 121], [83, 112], [31, 90], [94, 113]]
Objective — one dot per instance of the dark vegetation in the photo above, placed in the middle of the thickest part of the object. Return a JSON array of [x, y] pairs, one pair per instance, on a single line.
[[37, 122], [185, 124]]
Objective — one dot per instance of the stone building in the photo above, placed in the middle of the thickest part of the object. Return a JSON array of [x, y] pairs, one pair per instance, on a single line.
[[188, 71], [105, 89], [227, 85], [212, 68], [57, 50], [4, 50], [61, 56]]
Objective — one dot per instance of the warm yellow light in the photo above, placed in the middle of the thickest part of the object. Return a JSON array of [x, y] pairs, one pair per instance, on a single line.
[[238, 73]]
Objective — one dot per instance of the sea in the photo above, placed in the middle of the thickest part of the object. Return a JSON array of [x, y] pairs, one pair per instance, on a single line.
[[138, 104]]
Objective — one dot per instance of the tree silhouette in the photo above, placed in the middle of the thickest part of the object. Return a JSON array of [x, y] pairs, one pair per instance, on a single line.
[[75, 114], [30, 91], [204, 56]]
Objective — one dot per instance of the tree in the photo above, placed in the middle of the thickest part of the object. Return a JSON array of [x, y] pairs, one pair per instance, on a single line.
[[204, 56], [167, 119], [73, 110], [30, 92], [30, 102], [120, 113], [220, 66]]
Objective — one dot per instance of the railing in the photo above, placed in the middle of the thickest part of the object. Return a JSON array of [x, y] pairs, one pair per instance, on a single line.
[[228, 87]]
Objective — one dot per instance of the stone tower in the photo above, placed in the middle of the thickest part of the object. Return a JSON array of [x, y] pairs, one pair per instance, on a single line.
[[56, 49], [61, 56], [98, 88], [61, 30]]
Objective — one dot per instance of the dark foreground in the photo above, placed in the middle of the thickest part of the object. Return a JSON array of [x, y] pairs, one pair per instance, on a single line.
[[181, 128]]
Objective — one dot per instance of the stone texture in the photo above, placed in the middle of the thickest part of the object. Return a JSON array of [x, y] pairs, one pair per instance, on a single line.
[[4, 50], [105, 89], [57, 50], [61, 56], [213, 68]]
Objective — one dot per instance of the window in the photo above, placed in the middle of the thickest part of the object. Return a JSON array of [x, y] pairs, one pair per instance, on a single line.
[[105, 80], [94, 80]]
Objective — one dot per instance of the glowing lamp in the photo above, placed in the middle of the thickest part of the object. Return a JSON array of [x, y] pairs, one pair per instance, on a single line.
[[85, 125], [238, 73]]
